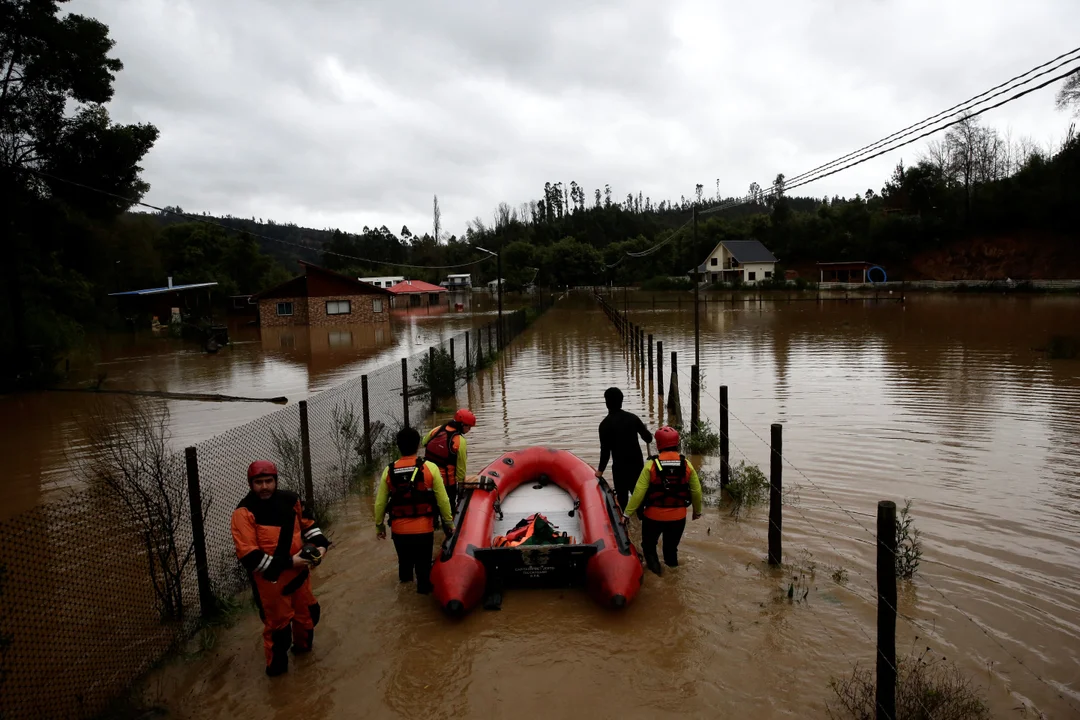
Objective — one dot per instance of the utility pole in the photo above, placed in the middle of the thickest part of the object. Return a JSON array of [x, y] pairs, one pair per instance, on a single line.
[[697, 285]]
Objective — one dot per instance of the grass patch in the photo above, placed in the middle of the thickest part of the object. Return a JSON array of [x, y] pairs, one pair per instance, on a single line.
[[927, 687]]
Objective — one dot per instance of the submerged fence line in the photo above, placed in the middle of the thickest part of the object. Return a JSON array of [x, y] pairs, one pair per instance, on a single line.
[[92, 596], [884, 538]]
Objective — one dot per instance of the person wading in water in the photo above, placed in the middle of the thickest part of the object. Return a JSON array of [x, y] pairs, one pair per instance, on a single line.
[[445, 446], [411, 490], [666, 487], [619, 433]]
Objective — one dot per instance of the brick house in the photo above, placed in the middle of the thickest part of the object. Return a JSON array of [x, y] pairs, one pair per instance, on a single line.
[[322, 297]]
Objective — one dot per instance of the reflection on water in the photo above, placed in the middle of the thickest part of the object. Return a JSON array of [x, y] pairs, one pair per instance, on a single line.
[[42, 436], [943, 400]]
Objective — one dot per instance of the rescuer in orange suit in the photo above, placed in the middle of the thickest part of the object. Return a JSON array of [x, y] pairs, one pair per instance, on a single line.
[[445, 446], [273, 531], [667, 485], [411, 490]]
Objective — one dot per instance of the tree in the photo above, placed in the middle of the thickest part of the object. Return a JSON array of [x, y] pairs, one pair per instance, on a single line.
[[56, 76], [1069, 93], [437, 215]]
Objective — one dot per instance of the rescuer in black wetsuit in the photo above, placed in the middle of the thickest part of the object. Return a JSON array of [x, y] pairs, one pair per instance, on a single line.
[[619, 432]]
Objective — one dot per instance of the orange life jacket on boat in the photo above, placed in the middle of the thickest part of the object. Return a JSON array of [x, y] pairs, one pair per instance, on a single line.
[[669, 487]]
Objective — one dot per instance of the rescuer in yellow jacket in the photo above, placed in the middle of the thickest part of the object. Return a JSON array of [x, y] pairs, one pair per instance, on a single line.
[[412, 491], [668, 484], [445, 446]]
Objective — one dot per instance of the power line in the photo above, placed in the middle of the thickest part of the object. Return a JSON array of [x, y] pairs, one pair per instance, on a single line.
[[959, 107], [215, 223], [775, 189]]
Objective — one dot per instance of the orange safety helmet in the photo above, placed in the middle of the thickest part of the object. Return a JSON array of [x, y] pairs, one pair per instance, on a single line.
[[667, 438], [261, 467], [465, 417]]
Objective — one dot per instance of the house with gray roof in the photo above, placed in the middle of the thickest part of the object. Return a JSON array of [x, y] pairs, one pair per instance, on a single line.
[[746, 260]]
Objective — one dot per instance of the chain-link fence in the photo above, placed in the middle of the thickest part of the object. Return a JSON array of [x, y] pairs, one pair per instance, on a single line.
[[97, 587]]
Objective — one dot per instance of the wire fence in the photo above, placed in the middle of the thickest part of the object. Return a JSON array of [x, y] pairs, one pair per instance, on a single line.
[[99, 586]]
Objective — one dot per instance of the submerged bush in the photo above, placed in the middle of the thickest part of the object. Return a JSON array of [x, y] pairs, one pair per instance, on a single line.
[[908, 544], [927, 688], [748, 487], [704, 441]]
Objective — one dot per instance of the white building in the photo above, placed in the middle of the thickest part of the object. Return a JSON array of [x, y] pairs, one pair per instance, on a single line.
[[747, 260], [461, 280], [387, 281]]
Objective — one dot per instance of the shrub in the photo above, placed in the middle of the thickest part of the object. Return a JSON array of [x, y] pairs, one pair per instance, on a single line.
[[927, 688], [748, 487], [706, 440], [908, 544], [439, 377]]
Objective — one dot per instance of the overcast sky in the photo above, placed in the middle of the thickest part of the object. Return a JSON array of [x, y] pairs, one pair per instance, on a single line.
[[346, 113]]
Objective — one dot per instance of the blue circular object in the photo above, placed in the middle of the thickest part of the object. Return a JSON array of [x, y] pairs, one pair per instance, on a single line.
[[884, 277]]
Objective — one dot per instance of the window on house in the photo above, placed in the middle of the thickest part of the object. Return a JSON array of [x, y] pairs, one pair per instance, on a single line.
[[714, 261], [751, 275], [415, 300], [376, 305], [338, 307], [284, 308], [768, 274], [433, 298]]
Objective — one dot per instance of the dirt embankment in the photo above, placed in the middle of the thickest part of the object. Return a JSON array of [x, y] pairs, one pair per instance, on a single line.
[[1022, 256]]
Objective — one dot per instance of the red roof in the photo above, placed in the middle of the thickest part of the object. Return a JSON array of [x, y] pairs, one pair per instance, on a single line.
[[408, 287]]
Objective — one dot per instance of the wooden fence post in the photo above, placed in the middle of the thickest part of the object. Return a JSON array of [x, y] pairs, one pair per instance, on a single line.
[[468, 357], [491, 341], [886, 610], [725, 452], [660, 368], [650, 353], [207, 604], [305, 447], [405, 390], [367, 419], [776, 496]]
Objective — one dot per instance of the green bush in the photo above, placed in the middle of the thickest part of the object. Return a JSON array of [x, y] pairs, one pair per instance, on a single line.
[[908, 544], [439, 377], [748, 487], [706, 440]]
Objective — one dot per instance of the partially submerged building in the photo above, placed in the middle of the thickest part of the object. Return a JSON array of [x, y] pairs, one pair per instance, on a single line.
[[322, 297], [417, 293]]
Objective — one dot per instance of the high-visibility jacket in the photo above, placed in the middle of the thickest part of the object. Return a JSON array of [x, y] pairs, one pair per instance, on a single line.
[[407, 489], [267, 533], [445, 446], [666, 485]]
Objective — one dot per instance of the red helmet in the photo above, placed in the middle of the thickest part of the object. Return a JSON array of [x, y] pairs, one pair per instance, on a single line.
[[261, 467], [667, 438], [465, 417]]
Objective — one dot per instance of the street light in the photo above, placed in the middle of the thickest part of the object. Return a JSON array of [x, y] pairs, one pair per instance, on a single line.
[[499, 281]]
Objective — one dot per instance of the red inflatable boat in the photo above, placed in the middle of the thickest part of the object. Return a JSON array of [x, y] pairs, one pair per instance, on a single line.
[[596, 552]]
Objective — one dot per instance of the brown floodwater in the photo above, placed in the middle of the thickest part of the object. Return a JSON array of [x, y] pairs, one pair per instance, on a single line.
[[43, 434], [943, 400]]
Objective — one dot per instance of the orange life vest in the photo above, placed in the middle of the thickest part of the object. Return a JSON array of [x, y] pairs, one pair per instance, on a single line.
[[412, 492], [440, 451], [669, 482]]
